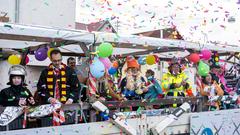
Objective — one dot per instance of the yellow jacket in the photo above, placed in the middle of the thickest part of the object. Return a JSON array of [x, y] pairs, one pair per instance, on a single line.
[[169, 79]]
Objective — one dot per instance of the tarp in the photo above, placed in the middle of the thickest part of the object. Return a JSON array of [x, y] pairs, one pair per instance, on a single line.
[[36, 35]]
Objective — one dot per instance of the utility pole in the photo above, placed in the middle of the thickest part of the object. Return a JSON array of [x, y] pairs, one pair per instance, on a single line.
[[117, 24]]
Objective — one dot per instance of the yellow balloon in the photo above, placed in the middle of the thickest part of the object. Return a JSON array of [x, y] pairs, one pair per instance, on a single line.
[[49, 51], [150, 60], [14, 59]]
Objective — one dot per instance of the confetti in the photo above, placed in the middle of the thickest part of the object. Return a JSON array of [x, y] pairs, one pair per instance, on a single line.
[[110, 105], [152, 99], [8, 26], [139, 110], [45, 3]]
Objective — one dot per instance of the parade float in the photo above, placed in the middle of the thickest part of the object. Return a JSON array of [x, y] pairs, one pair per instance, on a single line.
[[181, 120]]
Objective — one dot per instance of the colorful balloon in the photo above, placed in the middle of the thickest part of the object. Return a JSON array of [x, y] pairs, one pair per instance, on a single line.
[[14, 59], [27, 60], [106, 62], [112, 71], [194, 57], [156, 58], [105, 50], [41, 54], [115, 64], [142, 60], [97, 68], [203, 69], [49, 52], [205, 54], [150, 60]]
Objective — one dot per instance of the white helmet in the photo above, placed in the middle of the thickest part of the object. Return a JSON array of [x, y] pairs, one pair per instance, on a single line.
[[17, 70]]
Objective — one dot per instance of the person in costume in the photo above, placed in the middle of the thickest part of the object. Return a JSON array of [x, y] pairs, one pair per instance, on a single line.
[[153, 89], [217, 75], [58, 82], [217, 72], [106, 90], [17, 94], [175, 82], [132, 85], [210, 89]]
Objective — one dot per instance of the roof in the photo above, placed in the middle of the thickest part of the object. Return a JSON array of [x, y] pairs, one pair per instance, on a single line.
[[170, 33], [97, 26], [23, 36]]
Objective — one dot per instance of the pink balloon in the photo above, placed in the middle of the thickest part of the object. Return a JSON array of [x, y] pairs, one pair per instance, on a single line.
[[106, 62], [206, 54]]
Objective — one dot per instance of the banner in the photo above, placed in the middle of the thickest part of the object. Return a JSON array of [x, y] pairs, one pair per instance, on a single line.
[[224, 122]]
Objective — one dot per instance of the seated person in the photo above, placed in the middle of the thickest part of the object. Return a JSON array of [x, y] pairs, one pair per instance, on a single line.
[[211, 89], [216, 73], [132, 85], [106, 90], [153, 89], [17, 94], [176, 82]]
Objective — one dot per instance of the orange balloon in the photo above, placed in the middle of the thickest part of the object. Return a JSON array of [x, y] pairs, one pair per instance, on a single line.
[[115, 64]]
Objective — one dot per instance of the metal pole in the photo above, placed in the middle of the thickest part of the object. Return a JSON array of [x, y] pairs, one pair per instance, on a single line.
[[17, 3]]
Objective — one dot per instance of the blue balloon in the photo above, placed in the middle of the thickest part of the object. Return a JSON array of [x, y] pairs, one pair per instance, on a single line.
[[112, 70], [97, 68], [142, 60]]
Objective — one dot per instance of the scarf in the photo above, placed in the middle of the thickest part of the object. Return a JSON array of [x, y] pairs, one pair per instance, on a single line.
[[135, 84], [62, 79]]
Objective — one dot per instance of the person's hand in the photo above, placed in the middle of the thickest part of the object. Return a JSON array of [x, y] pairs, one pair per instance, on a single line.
[[31, 101], [160, 96], [53, 100], [145, 89], [184, 82], [22, 102], [69, 102], [177, 85], [101, 99], [123, 99], [215, 83]]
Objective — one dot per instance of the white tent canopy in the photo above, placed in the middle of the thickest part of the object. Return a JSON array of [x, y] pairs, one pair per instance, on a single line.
[[22, 36]]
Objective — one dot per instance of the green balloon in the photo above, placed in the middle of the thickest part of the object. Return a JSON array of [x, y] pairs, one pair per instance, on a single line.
[[105, 50], [203, 69]]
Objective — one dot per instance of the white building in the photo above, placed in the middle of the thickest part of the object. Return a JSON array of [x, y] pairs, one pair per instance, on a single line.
[[54, 13]]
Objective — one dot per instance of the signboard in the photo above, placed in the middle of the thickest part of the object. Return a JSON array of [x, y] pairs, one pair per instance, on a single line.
[[225, 122]]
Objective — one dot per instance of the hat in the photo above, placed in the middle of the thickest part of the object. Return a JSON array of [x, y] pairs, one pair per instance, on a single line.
[[132, 63]]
